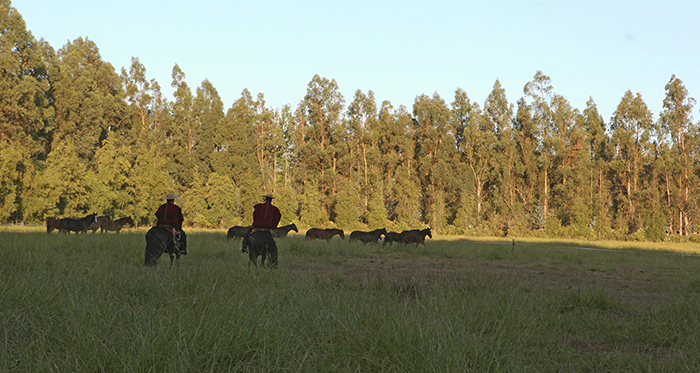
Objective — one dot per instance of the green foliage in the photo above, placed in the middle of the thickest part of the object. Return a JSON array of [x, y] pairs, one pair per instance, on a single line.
[[76, 138], [347, 206]]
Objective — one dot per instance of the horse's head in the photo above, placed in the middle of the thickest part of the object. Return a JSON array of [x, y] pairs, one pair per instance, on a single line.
[[294, 228], [341, 234], [427, 232], [183, 245], [382, 231], [245, 244], [129, 221]]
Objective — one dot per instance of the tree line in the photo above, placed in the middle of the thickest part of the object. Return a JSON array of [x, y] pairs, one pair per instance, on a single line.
[[77, 137]]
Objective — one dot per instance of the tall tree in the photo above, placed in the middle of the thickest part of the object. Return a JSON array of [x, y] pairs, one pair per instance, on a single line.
[[182, 133], [319, 121], [362, 122], [499, 114], [632, 128], [268, 141], [25, 111], [525, 136], [476, 142], [395, 141], [88, 101], [569, 186], [677, 125], [435, 148], [540, 92], [600, 154]]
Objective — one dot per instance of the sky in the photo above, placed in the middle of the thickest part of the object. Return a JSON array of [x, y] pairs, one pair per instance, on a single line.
[[397, 49]]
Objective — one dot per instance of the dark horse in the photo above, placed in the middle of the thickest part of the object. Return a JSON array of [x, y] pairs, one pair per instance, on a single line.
[[236, 232], [76, 225], [367, 237], [283, 231], [415, 236], [160, 240], [51, 224], [260, 244], [117, 225], [391, 237], [99, 222], [324, 234]]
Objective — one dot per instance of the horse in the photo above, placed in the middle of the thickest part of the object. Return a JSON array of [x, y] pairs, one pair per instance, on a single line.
[[76, 225], [391, 237], [51, 224], [415, 236], [324, 234], [366, 237], [236, 232], [283, 231], [260, 243], [99, 222], [117, 225], [160, 240]]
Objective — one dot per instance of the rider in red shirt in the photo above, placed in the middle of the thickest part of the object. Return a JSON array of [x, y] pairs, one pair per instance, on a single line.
[[169, 213], [170, 217], [265, 215]]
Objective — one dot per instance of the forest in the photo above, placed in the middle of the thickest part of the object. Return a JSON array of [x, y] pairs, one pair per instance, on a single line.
[[78, 136]]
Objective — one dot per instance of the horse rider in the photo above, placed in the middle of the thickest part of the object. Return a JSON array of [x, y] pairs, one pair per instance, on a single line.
[[266, 216], [170, 217]]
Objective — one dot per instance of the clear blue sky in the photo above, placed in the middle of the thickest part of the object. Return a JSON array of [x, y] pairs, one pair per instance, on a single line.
[[398, 49]]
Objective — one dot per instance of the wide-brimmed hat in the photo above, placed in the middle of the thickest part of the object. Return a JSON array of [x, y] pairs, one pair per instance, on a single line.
[[268, 195], [170, 196]]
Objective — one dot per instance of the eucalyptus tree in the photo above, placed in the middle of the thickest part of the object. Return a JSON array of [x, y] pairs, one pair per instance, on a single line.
[[319, 124], [268, 142], [476, 142], [526, 177], [570, 162], [208, 111], [149, 117], [24, 85], [435, 149], [677, 127], [600, 153], [235, 156], [25, 112], [198, 202], [632, 128], [181, 133], [88, 102], [401, 187], [364, 155], [540, 92], [498, 113]]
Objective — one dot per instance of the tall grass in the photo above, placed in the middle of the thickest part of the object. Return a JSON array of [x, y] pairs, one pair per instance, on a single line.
[[87, 303]]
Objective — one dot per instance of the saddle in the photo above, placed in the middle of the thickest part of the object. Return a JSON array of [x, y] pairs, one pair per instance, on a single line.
[[175, 232]]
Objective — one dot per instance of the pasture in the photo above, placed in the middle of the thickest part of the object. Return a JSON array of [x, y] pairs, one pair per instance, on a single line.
[[87, 303]]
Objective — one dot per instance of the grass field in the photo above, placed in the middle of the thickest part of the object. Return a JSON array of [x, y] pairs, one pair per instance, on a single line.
[[86, 303]]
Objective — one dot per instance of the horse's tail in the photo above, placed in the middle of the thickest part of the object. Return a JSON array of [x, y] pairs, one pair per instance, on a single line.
[[154, 248]]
